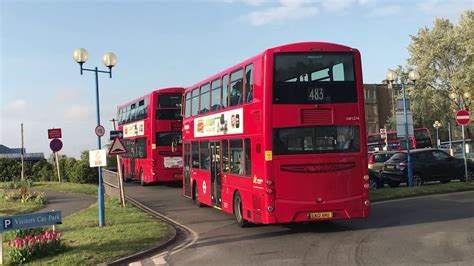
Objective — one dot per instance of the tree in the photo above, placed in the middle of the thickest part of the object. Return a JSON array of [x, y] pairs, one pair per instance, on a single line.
[[443, 56], [81, 172], [43, 171]]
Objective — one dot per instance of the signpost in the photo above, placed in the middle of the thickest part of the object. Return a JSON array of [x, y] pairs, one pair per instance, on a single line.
[[9, 223], [117, 147], [99, 131], [54, 133], [463, 118], [97, 158], [56, 145], [118, 134]]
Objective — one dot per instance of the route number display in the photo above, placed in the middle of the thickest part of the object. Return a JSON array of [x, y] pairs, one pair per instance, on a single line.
[[316, 94]]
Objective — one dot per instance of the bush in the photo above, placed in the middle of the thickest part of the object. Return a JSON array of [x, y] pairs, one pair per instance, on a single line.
[[17, 184], [25, 196], [9, 169], [42, 171]]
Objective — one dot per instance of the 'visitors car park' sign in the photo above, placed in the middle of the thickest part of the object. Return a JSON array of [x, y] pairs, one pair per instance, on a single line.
[[9, 223]]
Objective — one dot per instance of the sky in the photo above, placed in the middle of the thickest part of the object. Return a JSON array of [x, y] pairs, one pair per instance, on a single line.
[[171, 43]]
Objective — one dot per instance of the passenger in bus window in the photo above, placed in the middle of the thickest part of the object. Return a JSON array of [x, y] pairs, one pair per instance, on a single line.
[[241, 163]]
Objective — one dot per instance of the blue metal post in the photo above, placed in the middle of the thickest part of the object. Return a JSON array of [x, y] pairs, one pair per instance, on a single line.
[[100, 189], [407, 138]]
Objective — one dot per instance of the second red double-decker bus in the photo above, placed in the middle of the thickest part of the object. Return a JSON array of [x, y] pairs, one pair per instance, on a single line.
[[280, 137], [151, 124], [421, 139]]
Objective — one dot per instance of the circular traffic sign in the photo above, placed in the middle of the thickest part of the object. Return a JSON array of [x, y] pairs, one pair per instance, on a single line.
[[99, 130], [463, 117], [56, 145]]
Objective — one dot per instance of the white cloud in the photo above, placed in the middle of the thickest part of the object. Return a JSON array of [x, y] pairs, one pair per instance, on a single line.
[[79, 112], [385, 11], [445, 9], [287, 10], [17, 105], [68, 94]]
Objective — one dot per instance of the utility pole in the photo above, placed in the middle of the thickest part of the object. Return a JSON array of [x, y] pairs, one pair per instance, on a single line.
[[119, 171], [22, 155]]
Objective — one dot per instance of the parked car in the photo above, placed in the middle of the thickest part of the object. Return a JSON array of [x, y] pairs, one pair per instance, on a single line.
[[377, 158], [427, 164], [375, 179]]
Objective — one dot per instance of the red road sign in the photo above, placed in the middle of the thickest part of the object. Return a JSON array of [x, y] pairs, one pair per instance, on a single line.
[[117, 147], [463, 117], [56, 145], [54, 133]]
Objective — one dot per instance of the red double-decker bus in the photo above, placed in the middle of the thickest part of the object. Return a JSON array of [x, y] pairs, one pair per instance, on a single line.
[[280, 137], [150, 125]]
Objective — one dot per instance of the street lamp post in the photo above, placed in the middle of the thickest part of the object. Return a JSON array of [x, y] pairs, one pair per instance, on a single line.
[[413, 76], [437, 125], [110, 60]]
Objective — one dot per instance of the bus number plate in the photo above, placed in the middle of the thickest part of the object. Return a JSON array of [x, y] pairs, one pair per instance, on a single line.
[[320, 215]]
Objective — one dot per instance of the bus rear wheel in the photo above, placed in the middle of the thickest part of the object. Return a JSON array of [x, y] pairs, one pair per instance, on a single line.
[[238, 211], [196, 196]]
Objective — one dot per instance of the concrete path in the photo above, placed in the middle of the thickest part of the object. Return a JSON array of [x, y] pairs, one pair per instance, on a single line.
[[66, 202]]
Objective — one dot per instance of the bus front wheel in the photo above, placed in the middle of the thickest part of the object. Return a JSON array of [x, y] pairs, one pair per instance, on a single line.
[[238, 211]]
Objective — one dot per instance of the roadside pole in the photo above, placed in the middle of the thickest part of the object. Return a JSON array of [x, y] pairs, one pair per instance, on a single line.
[[22, 155], [57, 166], [120, 174], [1, 248], [464, 154]]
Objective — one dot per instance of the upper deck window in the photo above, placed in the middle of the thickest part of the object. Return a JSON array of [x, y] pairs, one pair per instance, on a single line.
[[216, 95], [169, 101], [236, 88], [195, 102], [314, 78], [204, 101], [187, 108]]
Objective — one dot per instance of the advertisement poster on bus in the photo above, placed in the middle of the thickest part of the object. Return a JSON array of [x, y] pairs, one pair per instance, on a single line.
[[135, 129], [229, 122]]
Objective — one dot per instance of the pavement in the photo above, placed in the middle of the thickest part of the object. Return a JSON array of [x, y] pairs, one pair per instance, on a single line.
[[66, 202]]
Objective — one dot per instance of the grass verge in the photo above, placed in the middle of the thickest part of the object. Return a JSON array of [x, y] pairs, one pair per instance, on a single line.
[[89, 189], [127, 231], [388, 193]]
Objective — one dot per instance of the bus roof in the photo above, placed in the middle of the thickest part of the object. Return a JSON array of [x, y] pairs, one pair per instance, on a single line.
[[160, 90], [292, 47]]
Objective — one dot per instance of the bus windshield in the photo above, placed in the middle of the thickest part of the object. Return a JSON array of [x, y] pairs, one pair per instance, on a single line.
[[315, 139], [314, 78]]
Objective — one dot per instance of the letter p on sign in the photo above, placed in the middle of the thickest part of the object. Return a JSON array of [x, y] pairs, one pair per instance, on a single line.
[[7, 223]]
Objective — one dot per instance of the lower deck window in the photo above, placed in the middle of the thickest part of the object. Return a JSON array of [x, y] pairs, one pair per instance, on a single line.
[[316, 139]]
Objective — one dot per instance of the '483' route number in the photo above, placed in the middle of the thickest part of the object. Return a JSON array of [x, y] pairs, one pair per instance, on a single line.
[[316, 94]]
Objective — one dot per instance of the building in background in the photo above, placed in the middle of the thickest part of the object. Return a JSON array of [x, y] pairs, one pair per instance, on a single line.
[[379, 105], [15, 153]]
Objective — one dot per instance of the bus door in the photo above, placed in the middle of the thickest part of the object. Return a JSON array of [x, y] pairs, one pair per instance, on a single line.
[[187, 170], [216, 196]]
